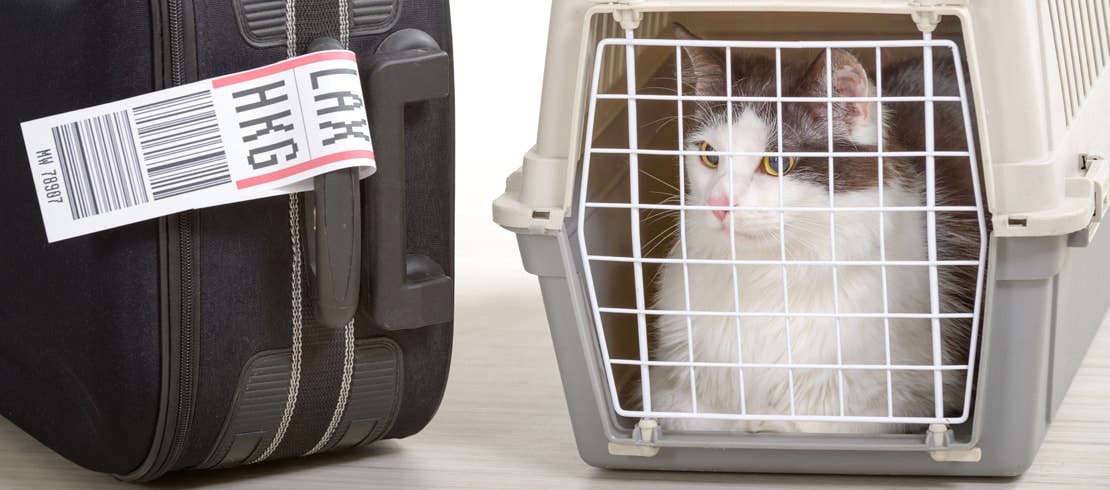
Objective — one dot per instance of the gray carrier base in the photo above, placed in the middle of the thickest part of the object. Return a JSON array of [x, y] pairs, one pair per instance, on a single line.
[[1042, 309]]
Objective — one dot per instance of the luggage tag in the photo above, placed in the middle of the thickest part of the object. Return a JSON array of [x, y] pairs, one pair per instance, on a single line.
[[249, 135]]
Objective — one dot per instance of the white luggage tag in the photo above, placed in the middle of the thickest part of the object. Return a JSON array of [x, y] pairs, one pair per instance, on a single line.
[[248, 135]]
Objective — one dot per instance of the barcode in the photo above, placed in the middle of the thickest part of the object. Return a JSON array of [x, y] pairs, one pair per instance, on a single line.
[[100, 165], [179, 140], [181, 144]]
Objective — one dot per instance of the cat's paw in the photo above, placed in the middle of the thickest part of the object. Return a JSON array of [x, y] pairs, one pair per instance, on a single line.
[[704, 425], [846, 428], [783, 427], [772, 426], [679, 402]]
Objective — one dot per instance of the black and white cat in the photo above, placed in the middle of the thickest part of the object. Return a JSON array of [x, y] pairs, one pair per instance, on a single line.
[[754, 181]]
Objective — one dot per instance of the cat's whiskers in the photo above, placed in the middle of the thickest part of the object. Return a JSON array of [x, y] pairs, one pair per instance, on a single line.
[[665, 233], [663, 121], [660, 235], [657, 179], [667, 89], [656, 215], [659, 239]]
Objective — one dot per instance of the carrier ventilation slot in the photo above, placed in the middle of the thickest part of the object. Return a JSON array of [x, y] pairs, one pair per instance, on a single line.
[[1081, 30]]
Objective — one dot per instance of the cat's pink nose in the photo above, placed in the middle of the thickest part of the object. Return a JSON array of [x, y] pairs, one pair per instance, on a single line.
[[721, 214]]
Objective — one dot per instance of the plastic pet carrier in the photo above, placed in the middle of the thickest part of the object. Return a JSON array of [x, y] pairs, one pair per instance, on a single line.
[[229, 335], [872, 250]]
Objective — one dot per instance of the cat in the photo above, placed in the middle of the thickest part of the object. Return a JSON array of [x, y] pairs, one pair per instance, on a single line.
[[813, 340]]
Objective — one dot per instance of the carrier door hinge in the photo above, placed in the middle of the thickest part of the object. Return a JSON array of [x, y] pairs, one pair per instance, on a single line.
[[629, 18], [926, 13], [939, 440], [1098, 178], [644, 436], [625, 12]]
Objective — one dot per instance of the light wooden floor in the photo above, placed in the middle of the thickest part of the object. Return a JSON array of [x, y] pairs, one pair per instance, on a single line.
[[504, 424]]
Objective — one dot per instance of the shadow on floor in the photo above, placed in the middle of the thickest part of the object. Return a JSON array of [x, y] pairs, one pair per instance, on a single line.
[[600, 478], [197, 479]]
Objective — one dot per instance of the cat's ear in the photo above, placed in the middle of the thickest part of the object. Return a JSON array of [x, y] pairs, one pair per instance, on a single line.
[[849, 79], [703, 68]]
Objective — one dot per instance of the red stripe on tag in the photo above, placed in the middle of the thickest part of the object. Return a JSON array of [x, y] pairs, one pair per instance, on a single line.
[[280, 67], [302, 167]]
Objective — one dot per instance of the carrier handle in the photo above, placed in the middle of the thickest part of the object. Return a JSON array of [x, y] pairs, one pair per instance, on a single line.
[[404, 291], [334, 228]]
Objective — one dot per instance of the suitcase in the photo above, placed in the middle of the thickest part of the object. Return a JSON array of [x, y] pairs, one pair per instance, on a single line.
[[220, 337]]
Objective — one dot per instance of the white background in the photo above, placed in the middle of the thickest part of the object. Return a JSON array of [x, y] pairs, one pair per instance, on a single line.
[[499, 59]]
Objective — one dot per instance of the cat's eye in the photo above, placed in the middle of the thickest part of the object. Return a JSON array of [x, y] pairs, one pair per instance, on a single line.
[[710, 161], [775, 166]]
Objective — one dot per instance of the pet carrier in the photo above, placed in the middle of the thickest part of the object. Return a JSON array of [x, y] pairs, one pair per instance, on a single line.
[[1011, 94]]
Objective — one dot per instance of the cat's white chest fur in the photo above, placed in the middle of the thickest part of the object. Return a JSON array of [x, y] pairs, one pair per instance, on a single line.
[[816, 343]]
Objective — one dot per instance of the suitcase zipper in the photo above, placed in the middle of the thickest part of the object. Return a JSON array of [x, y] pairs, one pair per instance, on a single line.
[[185, 221], [176, 24], [186, 354], [182, 266]]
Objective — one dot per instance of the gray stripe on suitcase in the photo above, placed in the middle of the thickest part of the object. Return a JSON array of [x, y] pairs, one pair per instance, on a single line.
[[298, 325], [325, 356], [374, 397], [349, 328], [320, 383], [375, 394], [295, 269], [344, 387]]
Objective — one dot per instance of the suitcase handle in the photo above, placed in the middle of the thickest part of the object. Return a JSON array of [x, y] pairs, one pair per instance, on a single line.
[[333, 211], [404, 291]]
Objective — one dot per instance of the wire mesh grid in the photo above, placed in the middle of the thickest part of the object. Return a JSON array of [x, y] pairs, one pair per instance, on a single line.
[[637, 259]]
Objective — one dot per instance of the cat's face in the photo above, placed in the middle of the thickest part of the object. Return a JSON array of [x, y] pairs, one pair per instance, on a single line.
[[755, 181]]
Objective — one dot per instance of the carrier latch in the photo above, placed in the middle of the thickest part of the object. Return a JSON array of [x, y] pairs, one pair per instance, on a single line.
[[1098, 177], [644, 436], [939, 441]]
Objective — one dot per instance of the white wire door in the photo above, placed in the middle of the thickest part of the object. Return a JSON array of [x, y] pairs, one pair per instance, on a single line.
[[783, 311]]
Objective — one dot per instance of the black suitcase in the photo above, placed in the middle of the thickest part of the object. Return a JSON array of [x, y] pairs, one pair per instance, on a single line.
[[217, 337]]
